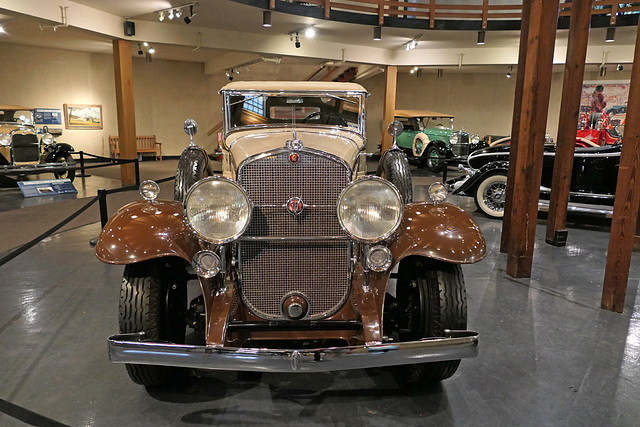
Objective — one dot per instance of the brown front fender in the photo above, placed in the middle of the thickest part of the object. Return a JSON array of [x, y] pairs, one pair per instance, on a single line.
[[142, 230], [444, 232]]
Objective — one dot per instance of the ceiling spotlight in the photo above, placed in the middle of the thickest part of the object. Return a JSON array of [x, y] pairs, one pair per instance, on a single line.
[[509, 72], [611, 34], [377, 33], [2, 31], [187, 19], [178, 13], [481, 35], [603, 71], [297, 41], [140, 49], [440, 73], [310, 32], [411, 45], [412, 70], [151, 50], [266, 18], [161, 15], [145, 44], [170, 14]]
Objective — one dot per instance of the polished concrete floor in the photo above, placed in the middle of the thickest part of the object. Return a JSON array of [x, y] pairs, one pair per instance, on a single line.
[[549, 356]]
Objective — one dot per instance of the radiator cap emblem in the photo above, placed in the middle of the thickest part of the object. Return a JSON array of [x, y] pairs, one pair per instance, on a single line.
[[295, 206], [294, 157]]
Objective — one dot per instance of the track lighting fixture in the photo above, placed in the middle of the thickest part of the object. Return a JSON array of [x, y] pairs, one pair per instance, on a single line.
[[148, 57], [411, 45], [509, 72], [440, 73], [611, 35], [603, 71], [481, 35], [177, 12], [151, 50], [377, 33], [266, 18], [140, 49]]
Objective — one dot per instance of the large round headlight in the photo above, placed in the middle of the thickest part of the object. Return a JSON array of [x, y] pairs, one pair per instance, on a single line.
[[217, 209], [453, 138], [5, 139], [47, 138], [475, 138], [370, 209]]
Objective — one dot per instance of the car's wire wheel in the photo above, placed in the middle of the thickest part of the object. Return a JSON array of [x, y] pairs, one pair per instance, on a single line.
[[490, 195]]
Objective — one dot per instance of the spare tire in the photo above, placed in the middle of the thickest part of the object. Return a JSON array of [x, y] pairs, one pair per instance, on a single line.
[[395, 167], [192, 167]]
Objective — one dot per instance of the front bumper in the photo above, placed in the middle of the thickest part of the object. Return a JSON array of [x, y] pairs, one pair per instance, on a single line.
[[131, 348]]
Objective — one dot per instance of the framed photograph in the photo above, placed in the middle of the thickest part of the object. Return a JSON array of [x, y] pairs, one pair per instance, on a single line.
[[81, 116]]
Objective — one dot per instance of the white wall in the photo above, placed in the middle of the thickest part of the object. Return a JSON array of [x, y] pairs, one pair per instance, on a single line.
[[168, 92]]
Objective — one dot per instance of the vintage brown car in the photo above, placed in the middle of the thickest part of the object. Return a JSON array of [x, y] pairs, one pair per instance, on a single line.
[[304, 262]]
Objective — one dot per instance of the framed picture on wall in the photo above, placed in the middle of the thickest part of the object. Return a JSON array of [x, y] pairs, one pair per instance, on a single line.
[[82, 116]]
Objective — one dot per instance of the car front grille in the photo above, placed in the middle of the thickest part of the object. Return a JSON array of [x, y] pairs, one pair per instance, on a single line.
[[25, 148], [461, 148], [274, 260]]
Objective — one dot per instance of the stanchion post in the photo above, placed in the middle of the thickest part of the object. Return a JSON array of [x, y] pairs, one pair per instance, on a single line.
[[104, 217], [137, 172], [444, 171], [82, 174]]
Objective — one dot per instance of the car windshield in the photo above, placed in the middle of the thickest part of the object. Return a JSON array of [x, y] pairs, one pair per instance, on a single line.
[[446, 122], [16, 116], [253, 109]]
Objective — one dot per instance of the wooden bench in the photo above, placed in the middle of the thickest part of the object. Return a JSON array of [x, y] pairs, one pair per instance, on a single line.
[[144, 144]]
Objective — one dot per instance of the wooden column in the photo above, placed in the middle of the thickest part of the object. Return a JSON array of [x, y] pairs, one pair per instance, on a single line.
[[389, 105], [625, 210], [543, 18], [125, 108], [569, 110], [636, 240], [515, 123]]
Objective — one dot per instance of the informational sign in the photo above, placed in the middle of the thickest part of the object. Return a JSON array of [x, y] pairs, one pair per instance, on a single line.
[[46, 187], [48, 116]]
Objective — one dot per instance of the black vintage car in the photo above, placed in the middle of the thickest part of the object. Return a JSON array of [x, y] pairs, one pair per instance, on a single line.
[[593, 181], [23, 146]]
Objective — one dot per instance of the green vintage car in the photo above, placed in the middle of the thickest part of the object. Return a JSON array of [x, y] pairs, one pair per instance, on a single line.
[[430, 136]]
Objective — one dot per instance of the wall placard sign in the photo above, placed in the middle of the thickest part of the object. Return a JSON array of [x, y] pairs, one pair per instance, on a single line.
[[47, 116], [46, 187]]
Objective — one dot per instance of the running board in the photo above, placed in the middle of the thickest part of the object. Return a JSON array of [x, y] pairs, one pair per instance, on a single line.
[[598, 210]]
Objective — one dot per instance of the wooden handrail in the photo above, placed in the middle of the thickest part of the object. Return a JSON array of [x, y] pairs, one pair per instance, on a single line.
[[215, 129], [431, 10]]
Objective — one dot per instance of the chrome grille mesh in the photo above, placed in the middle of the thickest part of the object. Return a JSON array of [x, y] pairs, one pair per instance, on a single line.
[[271, 270], [317, 268]]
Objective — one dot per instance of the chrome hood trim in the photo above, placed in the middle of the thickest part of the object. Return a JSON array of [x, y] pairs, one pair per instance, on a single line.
[[131, 348]]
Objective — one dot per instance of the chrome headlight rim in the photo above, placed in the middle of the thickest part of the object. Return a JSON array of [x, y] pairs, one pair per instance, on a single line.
[[5, 139], [474, 139], [454, 138], [398, 221], [47, 139], [200, 235]]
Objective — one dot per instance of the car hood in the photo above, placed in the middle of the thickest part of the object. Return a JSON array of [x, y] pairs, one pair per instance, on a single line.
[[436, 131], [10, 127], [340, 143]]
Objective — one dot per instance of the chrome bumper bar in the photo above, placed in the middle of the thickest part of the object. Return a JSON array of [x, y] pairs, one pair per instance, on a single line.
[[131, 348]]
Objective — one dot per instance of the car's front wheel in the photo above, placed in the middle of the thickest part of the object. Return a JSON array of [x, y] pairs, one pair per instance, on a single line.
[[67, 159], [153, 300], [434, 159], [430, 298], [490, 195]]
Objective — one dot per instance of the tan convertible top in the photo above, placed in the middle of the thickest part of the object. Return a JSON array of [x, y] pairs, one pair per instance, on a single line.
[[14, 107], [420, 113], [275, 86]]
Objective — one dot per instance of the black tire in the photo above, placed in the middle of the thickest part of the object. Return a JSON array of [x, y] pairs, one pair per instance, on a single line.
[[396, 169], [490, 194], [192, 167], [433, 159], [430, 297], [68, 160], [153, 299]]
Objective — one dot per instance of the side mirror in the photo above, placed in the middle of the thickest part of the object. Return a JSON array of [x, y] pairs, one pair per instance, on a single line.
[[395, 128], [190, 128]]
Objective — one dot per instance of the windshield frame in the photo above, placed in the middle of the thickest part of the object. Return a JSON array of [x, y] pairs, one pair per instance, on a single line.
[[361, 97]]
